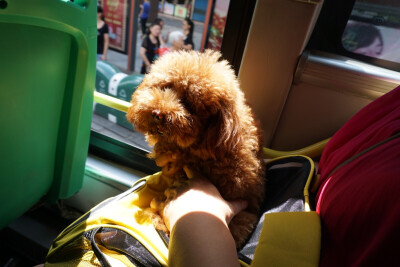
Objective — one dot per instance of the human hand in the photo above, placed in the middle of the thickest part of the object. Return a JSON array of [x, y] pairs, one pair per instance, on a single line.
[[201, 195], [103, 57]]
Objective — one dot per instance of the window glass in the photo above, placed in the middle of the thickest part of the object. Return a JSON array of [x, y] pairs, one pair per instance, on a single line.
[[113, 123], [113, 76], [117, 77], [373, 29]]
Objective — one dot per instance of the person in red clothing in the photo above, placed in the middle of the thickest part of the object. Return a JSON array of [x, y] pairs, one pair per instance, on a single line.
[[359, 203]]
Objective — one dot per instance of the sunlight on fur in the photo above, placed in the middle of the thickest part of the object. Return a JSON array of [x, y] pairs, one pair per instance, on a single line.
[[192, 111]]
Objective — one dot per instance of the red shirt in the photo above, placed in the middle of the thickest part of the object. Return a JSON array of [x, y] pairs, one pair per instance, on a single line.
[[359, 204]]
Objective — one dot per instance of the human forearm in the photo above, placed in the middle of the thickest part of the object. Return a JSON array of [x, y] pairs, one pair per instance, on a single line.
[[144, 57], [201, 239], [199, 219]]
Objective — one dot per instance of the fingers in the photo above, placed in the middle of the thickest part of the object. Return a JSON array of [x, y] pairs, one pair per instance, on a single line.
[[162, 160], [201, 182]]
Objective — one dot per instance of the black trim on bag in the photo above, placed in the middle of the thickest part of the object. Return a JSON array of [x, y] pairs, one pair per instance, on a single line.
[[164, 237], [134, 188], [244, 258], [100, 256]]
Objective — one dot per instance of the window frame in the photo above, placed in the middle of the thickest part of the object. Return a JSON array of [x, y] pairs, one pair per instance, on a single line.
[[240, 14], [120, 152], [328, 31]]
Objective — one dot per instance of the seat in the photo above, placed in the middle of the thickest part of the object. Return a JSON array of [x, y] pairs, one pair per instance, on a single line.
[[47, 74]]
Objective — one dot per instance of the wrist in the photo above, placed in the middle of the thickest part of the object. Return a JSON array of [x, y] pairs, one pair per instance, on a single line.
[[200, 202]]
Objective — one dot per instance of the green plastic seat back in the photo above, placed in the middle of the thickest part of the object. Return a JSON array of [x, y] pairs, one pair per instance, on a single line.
[[47, 74]]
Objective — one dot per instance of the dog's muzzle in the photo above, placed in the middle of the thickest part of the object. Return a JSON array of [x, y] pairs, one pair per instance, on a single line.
[[157, 117]]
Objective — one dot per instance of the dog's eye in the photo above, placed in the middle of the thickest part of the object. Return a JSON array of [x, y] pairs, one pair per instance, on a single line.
[[187, 105], [165, 87]]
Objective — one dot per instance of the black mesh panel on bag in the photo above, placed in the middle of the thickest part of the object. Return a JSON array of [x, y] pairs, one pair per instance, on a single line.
[[118, 240], [284, 192]]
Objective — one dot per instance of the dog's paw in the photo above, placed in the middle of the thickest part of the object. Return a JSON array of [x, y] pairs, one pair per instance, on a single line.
[[156, 220], [165, 158], [178, 186], [168, 161], [171, 193]]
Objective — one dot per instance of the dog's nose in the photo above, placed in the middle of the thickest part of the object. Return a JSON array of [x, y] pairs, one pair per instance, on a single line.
[[157, 116]]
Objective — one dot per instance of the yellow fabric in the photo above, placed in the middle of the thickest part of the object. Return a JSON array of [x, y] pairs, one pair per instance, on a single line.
[[116, 259], [76, 254], [125, 214], [243, 264], [289, 239]]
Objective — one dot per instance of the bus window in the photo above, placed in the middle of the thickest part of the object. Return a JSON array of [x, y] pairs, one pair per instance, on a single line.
[[112, 135], [373, 30]]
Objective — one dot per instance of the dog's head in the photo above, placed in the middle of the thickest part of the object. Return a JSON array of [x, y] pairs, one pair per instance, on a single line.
[[188, 99]]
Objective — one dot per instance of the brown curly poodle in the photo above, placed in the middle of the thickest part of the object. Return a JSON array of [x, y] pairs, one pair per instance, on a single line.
[[192, 111]]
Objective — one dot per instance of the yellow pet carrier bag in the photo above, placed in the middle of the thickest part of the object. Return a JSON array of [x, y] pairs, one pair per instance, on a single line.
[[116, 233]]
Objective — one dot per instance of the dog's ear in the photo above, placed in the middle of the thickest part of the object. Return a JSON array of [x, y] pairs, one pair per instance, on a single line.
[[218, 113], [222, 132]]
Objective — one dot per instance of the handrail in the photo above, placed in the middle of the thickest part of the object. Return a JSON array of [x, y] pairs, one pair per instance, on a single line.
[[111, 102], [311, 151], [314, 2]]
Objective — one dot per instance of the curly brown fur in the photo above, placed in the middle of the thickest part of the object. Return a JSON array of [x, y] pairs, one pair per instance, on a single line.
[[191, 109]]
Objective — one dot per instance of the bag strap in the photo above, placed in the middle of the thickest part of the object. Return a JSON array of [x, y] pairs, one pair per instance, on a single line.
[[363, 152], [96, 250]]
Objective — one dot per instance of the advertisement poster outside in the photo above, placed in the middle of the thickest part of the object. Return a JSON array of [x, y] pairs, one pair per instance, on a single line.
[[384, 42], [374, 31], [218, 22], [180, 11], [168, 9], [115, 15]]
